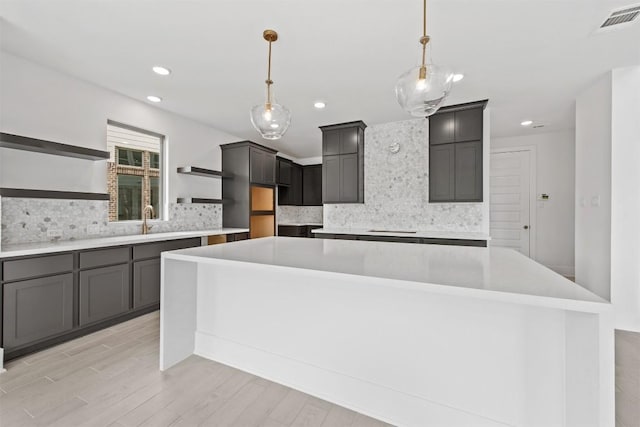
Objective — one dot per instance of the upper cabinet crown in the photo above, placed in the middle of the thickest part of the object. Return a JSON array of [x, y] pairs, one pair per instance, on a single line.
[[343, 162], [455, 153]]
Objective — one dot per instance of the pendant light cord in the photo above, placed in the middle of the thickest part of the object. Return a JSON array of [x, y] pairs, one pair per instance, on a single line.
[[269, 82], [424, 39]]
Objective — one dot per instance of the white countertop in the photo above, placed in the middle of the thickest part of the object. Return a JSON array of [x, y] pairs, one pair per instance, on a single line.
[[407, 233], [489, 273], [23, 249]]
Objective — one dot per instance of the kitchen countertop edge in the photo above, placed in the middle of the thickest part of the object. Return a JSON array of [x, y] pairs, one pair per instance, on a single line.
[[26, 249], [462, 235]]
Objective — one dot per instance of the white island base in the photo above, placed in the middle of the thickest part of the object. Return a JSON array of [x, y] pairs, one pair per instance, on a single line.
[[414, 335]]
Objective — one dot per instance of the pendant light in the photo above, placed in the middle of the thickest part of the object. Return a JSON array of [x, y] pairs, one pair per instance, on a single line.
[[423, 89], [270, 119]]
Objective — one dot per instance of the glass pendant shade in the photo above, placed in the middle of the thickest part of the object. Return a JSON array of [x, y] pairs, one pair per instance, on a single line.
[[270, 119], [422, 97]]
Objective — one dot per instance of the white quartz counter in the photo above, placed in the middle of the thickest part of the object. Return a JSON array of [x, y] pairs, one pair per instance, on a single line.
[[491, 273], [24, 249], [301, 224], [462, 235]]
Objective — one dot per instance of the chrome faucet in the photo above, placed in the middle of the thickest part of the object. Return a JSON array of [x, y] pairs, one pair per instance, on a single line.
[[145, 226]]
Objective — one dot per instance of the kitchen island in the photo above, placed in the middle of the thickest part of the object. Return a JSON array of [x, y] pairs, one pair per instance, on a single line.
[[410, 334]]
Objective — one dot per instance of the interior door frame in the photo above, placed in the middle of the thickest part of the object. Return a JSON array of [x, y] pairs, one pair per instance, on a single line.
[[533, 193]]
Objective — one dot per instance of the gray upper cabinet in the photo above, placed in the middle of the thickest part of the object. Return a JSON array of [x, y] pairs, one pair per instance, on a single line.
[[442, 173], [468, 125], [312, 185], [36, 309], [456, 153], [104, 293], [283, 171], [343, 163], [442, 128], [468, 171], [263, 166]]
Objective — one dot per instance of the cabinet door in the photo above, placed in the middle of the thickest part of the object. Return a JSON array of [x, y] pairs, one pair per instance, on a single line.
[[146, 282], [312, 185], [441, 128], [36, 309], [331, 142], [269, 168], [104, 292], [468, 176], [349, 140], [284, 172], [468, 125], [256, 165], [331, 179], [442, 173], [284, 196], [296, 185], [349, 178]]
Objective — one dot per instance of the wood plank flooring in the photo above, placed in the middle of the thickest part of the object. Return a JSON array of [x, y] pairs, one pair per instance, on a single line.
[[111, 378]]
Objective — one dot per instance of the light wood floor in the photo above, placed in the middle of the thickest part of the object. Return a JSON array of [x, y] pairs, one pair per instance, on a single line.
[[627, 379], [111, 378]]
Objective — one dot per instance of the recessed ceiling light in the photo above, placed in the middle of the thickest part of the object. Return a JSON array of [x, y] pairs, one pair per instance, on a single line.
[[319, 105], [153, 98], [161, 70], [527, 123], [458, 77]]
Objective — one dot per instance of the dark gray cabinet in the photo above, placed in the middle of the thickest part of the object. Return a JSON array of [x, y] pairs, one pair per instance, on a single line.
[[442, 173], [468, 171], [146, 282], [297, 230], [36, 309], [283, 171], [455, 153], [312, 185], [263, 166], [52, 298], [343, 163], [104, 293]]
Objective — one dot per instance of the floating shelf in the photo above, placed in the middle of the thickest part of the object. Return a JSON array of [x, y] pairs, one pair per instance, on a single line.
[[187, 200], [194, 170], [49, 194], [17, 142]]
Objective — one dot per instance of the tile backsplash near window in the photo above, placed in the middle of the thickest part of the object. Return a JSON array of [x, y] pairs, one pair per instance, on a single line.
[[397, 187], [42, 220]]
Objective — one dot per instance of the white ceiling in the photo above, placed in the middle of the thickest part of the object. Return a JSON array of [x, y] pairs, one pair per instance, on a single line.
[[529, 57]]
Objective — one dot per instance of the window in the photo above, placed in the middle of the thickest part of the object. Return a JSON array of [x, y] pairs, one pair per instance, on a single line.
[[134, 172]]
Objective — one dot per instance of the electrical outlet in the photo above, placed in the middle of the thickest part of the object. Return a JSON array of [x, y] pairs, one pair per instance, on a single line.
[[93, 229], [595, 201], [54, 232]]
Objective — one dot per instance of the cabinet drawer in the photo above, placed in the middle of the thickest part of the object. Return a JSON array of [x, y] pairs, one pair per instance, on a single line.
[[99, 258], [34, 267], [36, 309], [237, 237], [152, 250], [292, 230]]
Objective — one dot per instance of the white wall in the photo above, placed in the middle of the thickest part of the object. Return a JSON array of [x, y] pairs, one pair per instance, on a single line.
[[42, 103], [593, 187], [625, 197], [555, 175]]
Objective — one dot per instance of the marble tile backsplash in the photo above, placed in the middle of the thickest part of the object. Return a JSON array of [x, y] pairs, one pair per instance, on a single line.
[[35, 220], [299, 214], [397, 187]]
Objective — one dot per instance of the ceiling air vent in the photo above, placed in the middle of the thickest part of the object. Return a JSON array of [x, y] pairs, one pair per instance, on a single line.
[[621, 16]]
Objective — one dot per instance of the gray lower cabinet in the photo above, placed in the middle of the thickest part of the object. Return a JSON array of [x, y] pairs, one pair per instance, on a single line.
[[146, 282], [36, 309], [104, 293]]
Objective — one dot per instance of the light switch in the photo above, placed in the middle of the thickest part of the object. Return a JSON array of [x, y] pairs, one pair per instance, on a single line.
[[595, 201], [583, 202]]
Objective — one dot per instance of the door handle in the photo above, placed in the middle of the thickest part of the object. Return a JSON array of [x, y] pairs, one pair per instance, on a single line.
[[526, 227]]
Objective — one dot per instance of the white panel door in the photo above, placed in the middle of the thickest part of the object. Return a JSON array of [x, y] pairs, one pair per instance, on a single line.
[[510, 200]]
